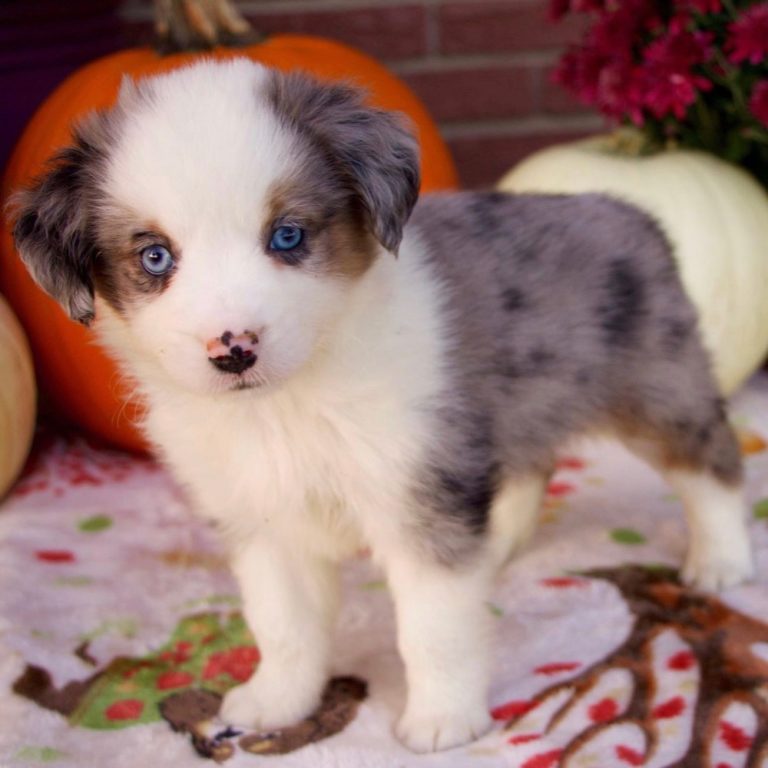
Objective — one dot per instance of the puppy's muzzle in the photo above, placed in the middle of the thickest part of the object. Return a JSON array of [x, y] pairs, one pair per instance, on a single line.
[[233, 354]]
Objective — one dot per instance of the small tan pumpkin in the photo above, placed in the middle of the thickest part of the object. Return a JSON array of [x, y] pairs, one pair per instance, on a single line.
[[17, 397], [715, 214]]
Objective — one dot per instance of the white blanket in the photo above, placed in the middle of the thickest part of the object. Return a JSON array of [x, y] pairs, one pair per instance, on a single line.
[[101, 559]]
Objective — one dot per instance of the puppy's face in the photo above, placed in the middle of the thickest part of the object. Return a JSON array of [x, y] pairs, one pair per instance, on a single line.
[[216, 219]]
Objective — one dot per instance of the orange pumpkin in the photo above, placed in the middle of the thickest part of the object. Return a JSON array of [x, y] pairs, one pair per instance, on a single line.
[[79, 381]]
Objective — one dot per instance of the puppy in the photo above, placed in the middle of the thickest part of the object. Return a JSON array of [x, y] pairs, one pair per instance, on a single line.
[[326, 366]]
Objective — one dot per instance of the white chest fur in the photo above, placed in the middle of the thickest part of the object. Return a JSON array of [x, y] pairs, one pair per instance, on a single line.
[[330, 455]]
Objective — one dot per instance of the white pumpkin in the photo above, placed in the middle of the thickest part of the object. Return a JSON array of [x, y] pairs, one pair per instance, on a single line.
[[715, 215], [17, 397]]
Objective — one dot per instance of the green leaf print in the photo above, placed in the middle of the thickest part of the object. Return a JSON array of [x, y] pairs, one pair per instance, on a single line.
[[627, 536], [205, 651], [95, 524]]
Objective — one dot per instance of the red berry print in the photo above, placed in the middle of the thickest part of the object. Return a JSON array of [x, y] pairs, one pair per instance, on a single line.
[[524, 738], [670, 708], [570, 462], [214, 666], [603, 710], [560, 488], [181, 653], [127, 709], [55, 556], [735, 737], [238, 663], [62, 461], [543, 760], [512, 709], [174, 680], [628, 755], [562, 582], [681, 661], [557, 667], [25, 487], [136, 668], [84, 477]]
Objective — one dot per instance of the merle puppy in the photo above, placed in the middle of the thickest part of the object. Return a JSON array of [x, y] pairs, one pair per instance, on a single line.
[[326, 366]]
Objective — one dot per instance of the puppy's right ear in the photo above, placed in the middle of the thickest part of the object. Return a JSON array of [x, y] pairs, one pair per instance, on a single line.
[[374, 151], [52, 231]]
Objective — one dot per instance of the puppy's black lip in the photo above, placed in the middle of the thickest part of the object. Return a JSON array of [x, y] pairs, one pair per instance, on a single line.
[[242, 386], [236, 362]]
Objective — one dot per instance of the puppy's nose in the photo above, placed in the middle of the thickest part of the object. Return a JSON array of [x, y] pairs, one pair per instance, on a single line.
[[231, 353]]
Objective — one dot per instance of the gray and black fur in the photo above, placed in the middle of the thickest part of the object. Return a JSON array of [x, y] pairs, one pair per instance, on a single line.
[[566, 316], [56, 218], [369, 153]]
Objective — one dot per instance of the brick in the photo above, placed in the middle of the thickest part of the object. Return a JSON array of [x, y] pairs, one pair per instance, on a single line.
[[388, 32], [478, 93], [555, 99], [492, 26], [483, 160]]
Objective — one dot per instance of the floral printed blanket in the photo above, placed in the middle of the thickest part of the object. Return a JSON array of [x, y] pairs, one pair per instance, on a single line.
[[120, 629]]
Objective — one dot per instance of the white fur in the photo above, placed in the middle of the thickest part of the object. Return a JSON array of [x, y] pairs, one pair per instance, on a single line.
[[210, 197], [514, 515], [719, 552], [318, 460], [307, 473]]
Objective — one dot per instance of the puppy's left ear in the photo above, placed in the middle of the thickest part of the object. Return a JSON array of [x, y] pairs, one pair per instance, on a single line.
[[52, 230], [374, 151]]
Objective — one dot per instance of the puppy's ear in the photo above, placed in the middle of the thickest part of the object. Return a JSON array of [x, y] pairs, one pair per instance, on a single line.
[[52, 230], [374, 151]]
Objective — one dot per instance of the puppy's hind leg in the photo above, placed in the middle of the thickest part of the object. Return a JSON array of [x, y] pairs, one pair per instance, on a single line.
[[514, 514], [699, 455], [719, 552]]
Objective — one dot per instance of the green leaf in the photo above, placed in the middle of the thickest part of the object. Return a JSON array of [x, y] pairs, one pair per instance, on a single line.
[[218, 599], [195, 642], [39, 754], [95, 524], [760, 510], [122, 626], [374, 585], [73, 581], [627, 536]]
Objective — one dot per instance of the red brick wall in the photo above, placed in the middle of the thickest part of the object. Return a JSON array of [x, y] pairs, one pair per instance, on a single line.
[[481, 66]]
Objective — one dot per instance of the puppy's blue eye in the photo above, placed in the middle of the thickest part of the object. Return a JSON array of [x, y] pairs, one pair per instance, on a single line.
[[157, 260], [286, 238]]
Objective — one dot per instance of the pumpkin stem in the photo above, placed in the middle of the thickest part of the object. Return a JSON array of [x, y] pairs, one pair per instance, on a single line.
[[183, 25], [630, 142]]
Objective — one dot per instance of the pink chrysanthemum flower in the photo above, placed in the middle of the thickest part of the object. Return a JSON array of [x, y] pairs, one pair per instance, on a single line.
[[758, 102], [679, 49], [670, 84], [748, 39], [699, 6], [673, 94], [677, 69]]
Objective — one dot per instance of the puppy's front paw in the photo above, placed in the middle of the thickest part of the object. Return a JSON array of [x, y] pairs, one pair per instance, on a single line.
[[717, 567], [259, 705], [431, 732]]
